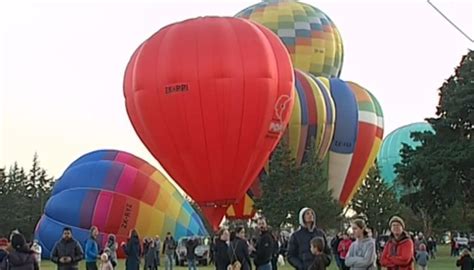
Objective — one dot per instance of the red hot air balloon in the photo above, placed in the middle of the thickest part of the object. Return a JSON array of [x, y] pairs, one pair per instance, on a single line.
[[210, 98]]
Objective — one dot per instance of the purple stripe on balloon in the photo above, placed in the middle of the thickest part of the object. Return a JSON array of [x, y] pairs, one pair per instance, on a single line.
[[113, 176], [109, 155], [87, 208]]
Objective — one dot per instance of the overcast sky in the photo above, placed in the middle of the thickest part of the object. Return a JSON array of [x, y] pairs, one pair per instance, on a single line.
[[62, 65]]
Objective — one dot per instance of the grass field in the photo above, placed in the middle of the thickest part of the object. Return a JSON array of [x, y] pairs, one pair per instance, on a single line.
[[442, 262]]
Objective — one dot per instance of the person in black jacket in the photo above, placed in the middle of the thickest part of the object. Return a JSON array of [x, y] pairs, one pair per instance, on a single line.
[[264, 246], [299, 253], [334, 245], [465, 262], [221, 250], [239, 249], [191, 245], [67, 252], [21, 258]]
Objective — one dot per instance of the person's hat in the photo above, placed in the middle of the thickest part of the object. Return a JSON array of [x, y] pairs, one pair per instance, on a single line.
[[397, 219]]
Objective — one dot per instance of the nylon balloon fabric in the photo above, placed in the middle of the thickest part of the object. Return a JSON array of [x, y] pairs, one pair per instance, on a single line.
[[117, 192], [392, 144], [210, 98], [311, 37]]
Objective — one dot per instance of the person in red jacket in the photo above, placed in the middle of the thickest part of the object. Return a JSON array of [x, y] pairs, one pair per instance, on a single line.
[[398, 252], [343, 248]]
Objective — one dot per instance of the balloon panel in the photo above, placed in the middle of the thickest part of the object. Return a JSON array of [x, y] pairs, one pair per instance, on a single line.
[[312, 39]]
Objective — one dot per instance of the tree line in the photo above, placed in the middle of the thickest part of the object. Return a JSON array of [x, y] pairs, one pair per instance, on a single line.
[[23, 195]]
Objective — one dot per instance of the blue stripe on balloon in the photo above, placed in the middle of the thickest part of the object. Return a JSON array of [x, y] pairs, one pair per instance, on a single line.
[[346, 128]]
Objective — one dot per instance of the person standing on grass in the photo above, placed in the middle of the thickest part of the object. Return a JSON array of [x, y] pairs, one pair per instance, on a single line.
[[361, 254], [92, 249], [398, 251], [67, 252], [422, 258]]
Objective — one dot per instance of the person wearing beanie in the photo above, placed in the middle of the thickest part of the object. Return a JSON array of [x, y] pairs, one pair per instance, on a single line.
[[398, 251], [21, 258], [299, 249]]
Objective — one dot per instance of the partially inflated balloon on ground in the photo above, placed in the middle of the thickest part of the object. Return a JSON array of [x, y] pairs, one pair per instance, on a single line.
[[115, 191], [210, 98], [310, 36]]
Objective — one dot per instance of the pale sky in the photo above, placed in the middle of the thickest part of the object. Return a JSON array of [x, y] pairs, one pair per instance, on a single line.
[[62, 65]]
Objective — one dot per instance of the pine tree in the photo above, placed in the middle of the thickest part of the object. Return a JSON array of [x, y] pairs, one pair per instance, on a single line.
[[375, 200], [288, 188], [440, 172]]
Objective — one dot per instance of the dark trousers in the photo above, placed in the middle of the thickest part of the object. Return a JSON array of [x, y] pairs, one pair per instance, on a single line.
[[91, 266]]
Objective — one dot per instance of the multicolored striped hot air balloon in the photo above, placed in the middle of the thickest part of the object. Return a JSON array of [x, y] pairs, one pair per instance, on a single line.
[[115, 191], [363, 156], [354, 141], [345, 135], [312, 118], [310, 36]]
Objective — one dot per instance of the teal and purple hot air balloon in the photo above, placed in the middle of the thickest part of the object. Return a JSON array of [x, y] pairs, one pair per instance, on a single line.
[[115, 191]]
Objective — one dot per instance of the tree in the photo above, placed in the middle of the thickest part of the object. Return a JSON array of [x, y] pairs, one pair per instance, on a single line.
[[440, 173], [375, 200], [23, 197], [288, 188]]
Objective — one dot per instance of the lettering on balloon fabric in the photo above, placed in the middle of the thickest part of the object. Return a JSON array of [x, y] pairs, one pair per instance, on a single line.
[[342, 144], [276, 125], [126, 215], [176, 88]]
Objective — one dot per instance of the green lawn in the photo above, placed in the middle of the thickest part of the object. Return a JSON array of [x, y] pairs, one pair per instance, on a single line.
[[443, 262]]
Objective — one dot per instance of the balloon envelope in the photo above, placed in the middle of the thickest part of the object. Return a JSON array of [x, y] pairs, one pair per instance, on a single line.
[[389, 154], [115, 191], [310, 36], [210, 98]]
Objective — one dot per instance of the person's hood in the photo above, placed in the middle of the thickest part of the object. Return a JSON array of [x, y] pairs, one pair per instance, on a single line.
[[324, 259], [403, 236], [20, 258], [301, 217]]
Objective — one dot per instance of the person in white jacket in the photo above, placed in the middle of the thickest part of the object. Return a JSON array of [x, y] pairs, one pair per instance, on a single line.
[[361, 255], [36, 248]]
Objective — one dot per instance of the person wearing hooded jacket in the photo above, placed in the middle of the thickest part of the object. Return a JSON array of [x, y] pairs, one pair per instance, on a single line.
[[132, 250], [299, 250], [398, 251], [21, 258]]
